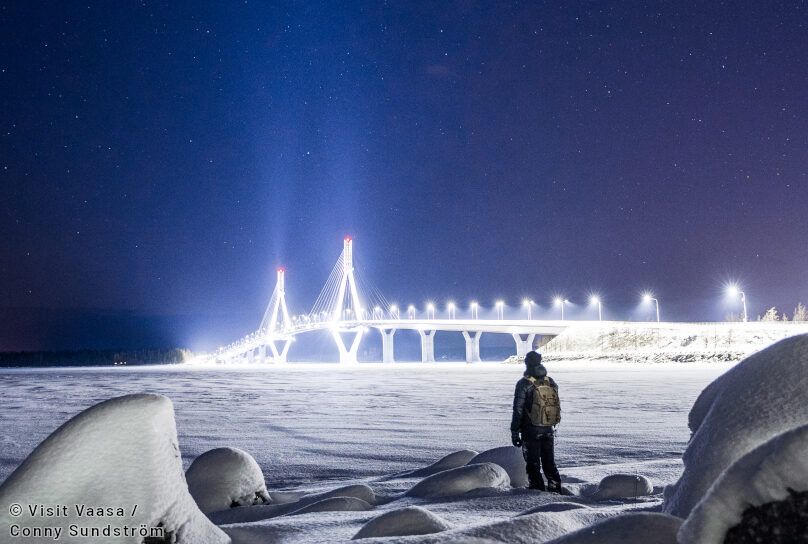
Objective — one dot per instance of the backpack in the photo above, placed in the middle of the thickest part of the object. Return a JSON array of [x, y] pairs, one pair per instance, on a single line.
[[546, 407]]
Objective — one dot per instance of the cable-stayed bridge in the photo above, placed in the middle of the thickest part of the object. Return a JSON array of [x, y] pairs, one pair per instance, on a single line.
[[347, 307]]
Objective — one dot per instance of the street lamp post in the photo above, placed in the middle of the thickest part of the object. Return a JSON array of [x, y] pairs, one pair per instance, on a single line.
[[648, 298], [411, 311], [430, 308], [451, 307], [500, 311], [475, 310], [394, 312], [529, 304], [561, 302], [596, 300], [734, 291]]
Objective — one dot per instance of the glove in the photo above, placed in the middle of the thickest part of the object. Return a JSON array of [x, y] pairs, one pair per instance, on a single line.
[[516, 440]]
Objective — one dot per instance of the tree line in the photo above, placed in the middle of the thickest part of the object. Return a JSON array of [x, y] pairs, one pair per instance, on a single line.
[[94, 357]]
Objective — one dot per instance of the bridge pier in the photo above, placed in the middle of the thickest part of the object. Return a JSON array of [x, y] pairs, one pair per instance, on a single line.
[[427, 346], [523, 345], [472, 346], [251, 356], [348, 356], [262, 353], [387, 345], [280, 356]]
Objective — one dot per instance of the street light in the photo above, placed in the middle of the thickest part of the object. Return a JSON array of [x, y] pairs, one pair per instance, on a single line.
[[411, 311], [733, 291], [394, 312], [529, 303], [647, 297], [451, 307], [596, 300], [430, 308], [500, 311], [475, 310], [561, 302]]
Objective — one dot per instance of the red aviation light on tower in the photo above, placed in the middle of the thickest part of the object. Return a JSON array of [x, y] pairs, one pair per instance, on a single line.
[[347, 238], [281, 270]]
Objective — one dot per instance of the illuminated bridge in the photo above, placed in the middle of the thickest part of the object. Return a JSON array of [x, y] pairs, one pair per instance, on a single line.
[[347, 312]]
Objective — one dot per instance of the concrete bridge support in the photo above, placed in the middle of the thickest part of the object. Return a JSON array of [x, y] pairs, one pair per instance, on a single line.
[[472, 346], [262, 353], [523, 345], [387, 345], [280, 356], [251, 356], [427, 346], [348, 356]]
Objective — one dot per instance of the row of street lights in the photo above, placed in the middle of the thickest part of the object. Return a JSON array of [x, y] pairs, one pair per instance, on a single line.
[[378, 312]]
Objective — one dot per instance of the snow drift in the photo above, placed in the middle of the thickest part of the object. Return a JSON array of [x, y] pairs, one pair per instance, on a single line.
[[460, 480], [225, 478], [509, 458], [758, 399], [412, 520], [452, 460], [764, 475], [119, 453]]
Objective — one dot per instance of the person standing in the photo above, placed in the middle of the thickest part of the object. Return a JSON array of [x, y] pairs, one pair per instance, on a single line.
[[536, 411]]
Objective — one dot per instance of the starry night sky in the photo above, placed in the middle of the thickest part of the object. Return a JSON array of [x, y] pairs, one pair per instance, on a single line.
[[158, 160]]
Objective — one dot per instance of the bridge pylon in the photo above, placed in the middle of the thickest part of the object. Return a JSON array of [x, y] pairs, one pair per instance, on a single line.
[[276, 323], [347, 286]]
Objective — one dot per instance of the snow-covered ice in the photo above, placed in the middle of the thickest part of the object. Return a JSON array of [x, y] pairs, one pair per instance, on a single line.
[[383, 420], [120, 454], [635, 528], [224, 478], [760, 398]]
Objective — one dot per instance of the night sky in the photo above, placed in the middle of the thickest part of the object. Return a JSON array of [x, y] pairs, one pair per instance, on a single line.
[[158, 160]]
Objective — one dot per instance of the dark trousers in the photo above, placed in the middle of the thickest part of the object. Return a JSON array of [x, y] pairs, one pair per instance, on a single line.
[[539, 454]]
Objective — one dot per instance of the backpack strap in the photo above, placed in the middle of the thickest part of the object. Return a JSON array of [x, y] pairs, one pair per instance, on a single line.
[[531, 379]]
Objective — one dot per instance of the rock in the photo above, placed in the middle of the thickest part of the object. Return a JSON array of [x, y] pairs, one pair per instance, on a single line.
[[460, 480], [119, 453], [412, 520], [623, 486], [509, 458], [226, 478]]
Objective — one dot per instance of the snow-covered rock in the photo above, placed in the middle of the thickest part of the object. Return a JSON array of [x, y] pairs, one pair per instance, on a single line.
[[459, 480], [452, 460], [637, 528], [760, 398], [412, 520], [119, 453], [509, 458], [225, 478], [623, 486], [764, 475], [334, 504], [257, 513]]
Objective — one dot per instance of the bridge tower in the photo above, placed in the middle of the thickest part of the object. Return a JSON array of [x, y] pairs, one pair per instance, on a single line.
[[347, 286], [276, 323]]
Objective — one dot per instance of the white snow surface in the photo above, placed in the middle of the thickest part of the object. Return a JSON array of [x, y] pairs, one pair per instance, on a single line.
[[411, 520], [383, 420], [223, 477], [636, 528], [509, 458], [623, 486], [121, 453], [763, 475], [760, 398]]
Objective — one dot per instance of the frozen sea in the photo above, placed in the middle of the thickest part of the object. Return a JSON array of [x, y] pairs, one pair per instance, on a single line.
[[309, 426]]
